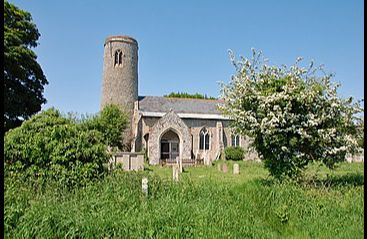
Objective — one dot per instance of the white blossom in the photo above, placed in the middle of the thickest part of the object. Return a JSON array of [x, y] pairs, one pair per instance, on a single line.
[[271, 101]]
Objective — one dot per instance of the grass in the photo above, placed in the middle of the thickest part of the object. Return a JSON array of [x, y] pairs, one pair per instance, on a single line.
[[249, 170], [205, 203]]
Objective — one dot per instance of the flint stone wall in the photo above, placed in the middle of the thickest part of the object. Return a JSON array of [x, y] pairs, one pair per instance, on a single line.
[[169, 121], [120, 82]]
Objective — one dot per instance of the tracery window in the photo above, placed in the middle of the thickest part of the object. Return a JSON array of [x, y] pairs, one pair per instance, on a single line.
[[235, 140], [118, 58], [204, 140]]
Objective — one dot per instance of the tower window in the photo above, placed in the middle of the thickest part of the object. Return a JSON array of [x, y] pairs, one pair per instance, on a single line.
[[118, 58], [204, 140]]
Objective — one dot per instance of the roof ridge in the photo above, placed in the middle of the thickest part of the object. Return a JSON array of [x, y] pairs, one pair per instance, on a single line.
[[176, 98]]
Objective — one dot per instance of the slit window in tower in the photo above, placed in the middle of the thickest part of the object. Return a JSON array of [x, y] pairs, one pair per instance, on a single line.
[[118, 58]]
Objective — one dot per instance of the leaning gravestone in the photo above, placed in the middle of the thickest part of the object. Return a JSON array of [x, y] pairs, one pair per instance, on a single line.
[[219, 167], [236, 168], [175, 171], [224, 168]]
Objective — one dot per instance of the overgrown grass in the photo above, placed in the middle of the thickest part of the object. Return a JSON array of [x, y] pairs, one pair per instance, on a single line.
[[205, 203]]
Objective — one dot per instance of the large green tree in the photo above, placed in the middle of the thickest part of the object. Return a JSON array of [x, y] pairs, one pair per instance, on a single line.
[[24, 80], [293, 114]]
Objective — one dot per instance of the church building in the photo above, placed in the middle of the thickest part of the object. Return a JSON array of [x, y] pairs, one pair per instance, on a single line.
[[167, 129]]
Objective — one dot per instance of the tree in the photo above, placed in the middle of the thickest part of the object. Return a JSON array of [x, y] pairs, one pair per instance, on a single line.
[[65, 149], [360, 134], [187, 95], [293, 114], [49, 146], [24, 80], [111, 122]]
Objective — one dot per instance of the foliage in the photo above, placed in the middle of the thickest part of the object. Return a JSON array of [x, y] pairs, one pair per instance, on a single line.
[[111, 122], [360, 132], [234, 153], [51, 147], [24, 80], [187, 95], [293, 114], [252, 208]]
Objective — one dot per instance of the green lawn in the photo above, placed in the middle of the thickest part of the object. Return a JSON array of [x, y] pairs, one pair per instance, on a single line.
[[205, 203], [251, 170], [248, 171]]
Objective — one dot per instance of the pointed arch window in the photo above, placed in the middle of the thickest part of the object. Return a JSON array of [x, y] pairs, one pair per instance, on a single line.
[[204, 140], [235, 140], [118, 58]]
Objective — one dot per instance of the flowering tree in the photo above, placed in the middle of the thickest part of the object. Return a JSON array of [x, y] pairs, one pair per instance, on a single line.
[[293, 114]]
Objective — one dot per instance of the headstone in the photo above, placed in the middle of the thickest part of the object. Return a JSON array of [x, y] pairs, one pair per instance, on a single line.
[[219, 167], [175, 171], [111, 163], [224, 168], [144, 186], [236, 168]]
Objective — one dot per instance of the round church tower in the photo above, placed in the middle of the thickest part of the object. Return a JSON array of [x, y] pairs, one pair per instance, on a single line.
[[120, 73]]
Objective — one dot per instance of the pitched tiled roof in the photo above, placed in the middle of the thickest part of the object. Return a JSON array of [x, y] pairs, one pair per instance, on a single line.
[[178, 105]]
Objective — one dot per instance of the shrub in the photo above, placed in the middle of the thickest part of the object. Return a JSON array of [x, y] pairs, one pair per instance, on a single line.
[[49, 146], [234, 153], [111, 122], [293, 114], [360, 132]]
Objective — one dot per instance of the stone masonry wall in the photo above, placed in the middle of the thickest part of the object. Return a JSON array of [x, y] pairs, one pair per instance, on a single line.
[[169, 121], [120, 82], [195, 125]]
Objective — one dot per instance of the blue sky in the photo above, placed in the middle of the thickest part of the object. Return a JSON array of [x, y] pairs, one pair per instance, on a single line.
[[183, 44]]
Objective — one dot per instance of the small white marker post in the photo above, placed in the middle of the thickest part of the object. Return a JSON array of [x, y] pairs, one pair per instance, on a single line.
[[144, 186], [175, 171]]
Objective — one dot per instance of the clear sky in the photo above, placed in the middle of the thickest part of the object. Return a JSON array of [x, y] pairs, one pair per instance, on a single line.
[[183, 44]]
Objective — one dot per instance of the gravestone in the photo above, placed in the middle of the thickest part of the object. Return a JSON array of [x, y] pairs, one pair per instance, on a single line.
[[144, 186], [219, 167], [236, 168], [179, 163], [224, 168], [175, 172]]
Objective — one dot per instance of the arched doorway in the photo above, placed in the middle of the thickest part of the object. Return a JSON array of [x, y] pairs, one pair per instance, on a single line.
[[169, 122], [169, 147]]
